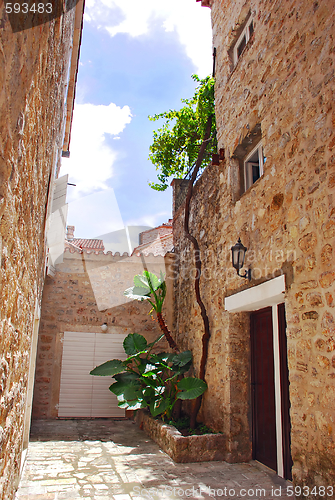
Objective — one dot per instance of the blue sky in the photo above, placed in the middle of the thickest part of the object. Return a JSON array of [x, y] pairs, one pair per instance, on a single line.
[[137, 57]]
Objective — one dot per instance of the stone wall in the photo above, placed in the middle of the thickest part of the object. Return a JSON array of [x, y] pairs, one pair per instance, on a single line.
[[33, 72], [282, 88], [87, 291], [182, 449]]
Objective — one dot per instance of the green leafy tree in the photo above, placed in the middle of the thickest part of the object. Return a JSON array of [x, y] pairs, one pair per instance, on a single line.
[[176, 144]]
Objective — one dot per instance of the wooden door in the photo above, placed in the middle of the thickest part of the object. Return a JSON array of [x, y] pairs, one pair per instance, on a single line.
[[263, 388]]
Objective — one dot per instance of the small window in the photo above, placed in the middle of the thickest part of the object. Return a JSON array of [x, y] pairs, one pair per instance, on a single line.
[[254, 166], [243, 39]]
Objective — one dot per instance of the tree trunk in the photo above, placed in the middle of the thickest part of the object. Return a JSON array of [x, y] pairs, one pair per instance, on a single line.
[[166, 332], [206, 336]]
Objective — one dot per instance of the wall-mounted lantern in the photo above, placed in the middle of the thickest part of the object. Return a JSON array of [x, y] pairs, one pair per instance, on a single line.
[[238, 254], [104, 327]]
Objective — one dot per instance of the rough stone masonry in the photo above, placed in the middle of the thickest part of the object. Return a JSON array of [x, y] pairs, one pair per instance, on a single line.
[[279, 89], [34, 66]]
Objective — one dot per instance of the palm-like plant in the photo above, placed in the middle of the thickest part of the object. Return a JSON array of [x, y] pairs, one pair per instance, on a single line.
[[149, 287]]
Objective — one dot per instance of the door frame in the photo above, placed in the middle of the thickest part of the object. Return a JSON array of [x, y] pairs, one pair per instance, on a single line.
[[271, 293]]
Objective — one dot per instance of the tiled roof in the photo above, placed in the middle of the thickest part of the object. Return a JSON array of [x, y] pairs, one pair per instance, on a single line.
[[156, 241], [155, 232], [159, 246], [88, 244]]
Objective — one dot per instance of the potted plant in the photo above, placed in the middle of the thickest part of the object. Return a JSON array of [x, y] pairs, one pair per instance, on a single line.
[[156, 382]]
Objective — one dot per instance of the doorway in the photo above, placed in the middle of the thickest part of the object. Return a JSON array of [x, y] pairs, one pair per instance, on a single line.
[[264, 447], [268, 353], [81, 395], [269, 372]]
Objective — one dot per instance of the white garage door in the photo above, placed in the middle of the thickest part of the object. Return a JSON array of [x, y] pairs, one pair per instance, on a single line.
[[81, 394]]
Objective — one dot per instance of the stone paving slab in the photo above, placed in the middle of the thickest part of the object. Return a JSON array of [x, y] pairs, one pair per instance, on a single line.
[[104, 459]]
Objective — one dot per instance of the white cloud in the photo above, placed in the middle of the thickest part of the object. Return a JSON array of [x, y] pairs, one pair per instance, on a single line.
[[95, 214], [151, 220], [91, 157], [186, 17]]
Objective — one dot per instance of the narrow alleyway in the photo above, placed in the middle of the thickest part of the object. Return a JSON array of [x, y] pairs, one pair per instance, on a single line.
[[103, 459]]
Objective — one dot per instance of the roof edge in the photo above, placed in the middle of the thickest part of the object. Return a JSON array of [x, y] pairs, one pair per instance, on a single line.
[[74, 65], [206, 3]]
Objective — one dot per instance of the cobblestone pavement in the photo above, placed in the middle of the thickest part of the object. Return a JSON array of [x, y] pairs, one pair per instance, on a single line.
[[104, 459]]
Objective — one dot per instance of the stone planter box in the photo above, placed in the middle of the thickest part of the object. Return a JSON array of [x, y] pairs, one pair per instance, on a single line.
[[206, 447]]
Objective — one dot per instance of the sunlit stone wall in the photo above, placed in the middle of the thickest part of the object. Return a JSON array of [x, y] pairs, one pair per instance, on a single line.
[[33, 71], [281, 90]]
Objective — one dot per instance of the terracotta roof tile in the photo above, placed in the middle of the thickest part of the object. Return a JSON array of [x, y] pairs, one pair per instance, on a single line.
[[88, 243], [159, 246]]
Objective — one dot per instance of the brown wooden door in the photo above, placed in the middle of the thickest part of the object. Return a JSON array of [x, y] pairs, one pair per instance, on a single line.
[[263, 389]]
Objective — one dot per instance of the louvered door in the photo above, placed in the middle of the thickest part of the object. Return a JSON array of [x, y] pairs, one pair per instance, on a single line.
[[81, 394]]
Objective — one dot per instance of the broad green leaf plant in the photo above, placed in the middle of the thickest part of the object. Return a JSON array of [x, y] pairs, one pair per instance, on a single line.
[[149, 287], [146, 286], [149, 380], [176, 144]]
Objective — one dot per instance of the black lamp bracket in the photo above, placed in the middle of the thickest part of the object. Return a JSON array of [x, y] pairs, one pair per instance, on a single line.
[[246, 275]]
